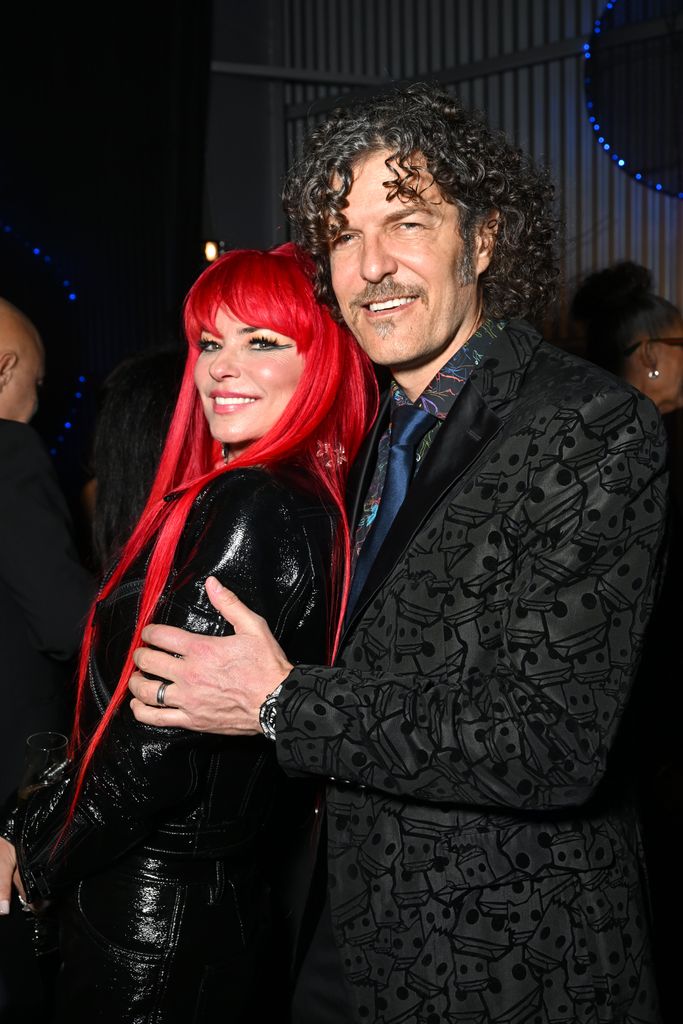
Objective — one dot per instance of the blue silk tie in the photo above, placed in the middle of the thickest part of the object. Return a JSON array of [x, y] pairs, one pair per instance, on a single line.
[[409, 424]]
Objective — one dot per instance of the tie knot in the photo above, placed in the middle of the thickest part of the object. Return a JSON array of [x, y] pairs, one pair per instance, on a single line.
[[409, 424]]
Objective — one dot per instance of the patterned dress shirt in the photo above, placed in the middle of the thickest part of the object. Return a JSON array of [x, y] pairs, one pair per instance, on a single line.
[[437, 398]]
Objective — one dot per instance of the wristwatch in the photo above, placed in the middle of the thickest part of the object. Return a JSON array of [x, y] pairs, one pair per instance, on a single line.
[[268, 713]]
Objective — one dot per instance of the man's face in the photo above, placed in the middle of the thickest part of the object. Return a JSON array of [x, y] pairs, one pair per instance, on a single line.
[[405, 285], [22, 377]]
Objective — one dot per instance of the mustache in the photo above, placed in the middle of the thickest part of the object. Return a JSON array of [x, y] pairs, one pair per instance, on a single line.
[[385, 290]]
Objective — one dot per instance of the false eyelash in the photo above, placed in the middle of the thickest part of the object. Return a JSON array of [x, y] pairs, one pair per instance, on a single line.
[[270, 342]]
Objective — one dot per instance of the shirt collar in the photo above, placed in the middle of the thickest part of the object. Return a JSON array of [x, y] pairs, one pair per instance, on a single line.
[[442, 391]]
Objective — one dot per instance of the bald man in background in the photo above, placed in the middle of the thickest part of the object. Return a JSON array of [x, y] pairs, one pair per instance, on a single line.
[[44, 596], [22, 365]]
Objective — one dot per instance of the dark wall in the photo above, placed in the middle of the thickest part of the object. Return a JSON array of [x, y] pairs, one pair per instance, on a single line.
[[101, 166], [246, 129]]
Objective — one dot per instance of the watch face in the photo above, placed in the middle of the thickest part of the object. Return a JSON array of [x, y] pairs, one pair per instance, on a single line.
[[267, 717]]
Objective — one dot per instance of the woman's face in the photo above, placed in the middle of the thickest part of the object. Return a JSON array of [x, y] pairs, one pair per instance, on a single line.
[[662, 357], [245, 376]]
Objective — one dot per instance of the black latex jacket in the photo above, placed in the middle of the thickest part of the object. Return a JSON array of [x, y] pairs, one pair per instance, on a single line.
[[171, 792]]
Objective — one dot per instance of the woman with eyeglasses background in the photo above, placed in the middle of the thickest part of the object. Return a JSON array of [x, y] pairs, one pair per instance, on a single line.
[[633, 332], [638, 335]]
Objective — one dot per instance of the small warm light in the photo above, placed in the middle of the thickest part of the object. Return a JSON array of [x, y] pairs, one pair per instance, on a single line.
[[210, 251]]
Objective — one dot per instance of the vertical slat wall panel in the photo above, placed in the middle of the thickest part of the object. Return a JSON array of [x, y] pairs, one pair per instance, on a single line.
[[541, 106]]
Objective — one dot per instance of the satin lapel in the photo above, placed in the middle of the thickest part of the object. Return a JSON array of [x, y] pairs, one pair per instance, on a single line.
[[360, 476], [466, 431]]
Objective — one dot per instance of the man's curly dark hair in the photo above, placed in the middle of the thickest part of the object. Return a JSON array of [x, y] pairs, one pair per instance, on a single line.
[[474, 167]]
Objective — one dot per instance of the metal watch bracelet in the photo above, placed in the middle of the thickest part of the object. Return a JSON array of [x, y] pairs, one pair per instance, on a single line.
[[268, 713]]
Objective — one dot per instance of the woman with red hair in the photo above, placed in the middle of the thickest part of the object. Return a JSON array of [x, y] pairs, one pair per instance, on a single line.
[[156, 846]]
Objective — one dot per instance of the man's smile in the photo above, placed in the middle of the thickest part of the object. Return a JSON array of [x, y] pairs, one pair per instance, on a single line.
[[396, 303]]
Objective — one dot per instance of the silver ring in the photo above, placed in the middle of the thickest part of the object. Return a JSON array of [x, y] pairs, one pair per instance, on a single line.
[[161, 692]]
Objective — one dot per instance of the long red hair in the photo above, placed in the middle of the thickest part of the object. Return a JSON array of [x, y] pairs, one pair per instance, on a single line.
[[329, 413]]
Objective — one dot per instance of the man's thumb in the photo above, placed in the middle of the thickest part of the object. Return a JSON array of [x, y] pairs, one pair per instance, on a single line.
[[230, 607]]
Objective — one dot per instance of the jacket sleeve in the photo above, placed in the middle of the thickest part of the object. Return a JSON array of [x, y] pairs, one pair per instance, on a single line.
[[140, 772], [38, 561], [534, 728]]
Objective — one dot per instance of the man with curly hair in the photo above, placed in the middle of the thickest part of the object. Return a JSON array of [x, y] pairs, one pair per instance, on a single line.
[[482, 850]]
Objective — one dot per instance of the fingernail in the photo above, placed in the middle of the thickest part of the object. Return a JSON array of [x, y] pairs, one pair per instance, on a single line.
[[215, 584], [4, 906]]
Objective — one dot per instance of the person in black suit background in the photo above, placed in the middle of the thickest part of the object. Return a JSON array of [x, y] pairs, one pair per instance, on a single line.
[[44, 596], [638, 335]]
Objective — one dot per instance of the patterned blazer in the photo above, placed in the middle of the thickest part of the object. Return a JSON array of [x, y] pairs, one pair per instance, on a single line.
[[484, 859]]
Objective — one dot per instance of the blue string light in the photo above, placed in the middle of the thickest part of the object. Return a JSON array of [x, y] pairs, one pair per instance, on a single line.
[[602, 139], [71, 296]]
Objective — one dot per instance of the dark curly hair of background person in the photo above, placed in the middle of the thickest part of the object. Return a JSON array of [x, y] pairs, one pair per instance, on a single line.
[[475, 167], [616, 306]]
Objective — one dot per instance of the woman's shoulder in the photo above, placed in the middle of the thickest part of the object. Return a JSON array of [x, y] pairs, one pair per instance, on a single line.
[[249, 524], [255, 506], [283, 490]]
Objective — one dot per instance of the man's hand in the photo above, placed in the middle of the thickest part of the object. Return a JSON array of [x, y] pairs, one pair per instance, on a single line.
[[8, 874], [218, 683]]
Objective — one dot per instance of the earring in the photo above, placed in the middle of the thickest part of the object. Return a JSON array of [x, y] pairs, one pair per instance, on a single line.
[[654, 373]]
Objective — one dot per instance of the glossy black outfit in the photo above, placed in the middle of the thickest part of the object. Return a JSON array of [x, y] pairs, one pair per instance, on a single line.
[[164, 877]]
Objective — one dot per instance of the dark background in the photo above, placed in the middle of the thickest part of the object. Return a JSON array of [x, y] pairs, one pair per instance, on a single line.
[[101, 168]]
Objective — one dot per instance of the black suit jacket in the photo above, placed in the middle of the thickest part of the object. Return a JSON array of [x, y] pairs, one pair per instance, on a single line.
[[44, 595], [483, 858]]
